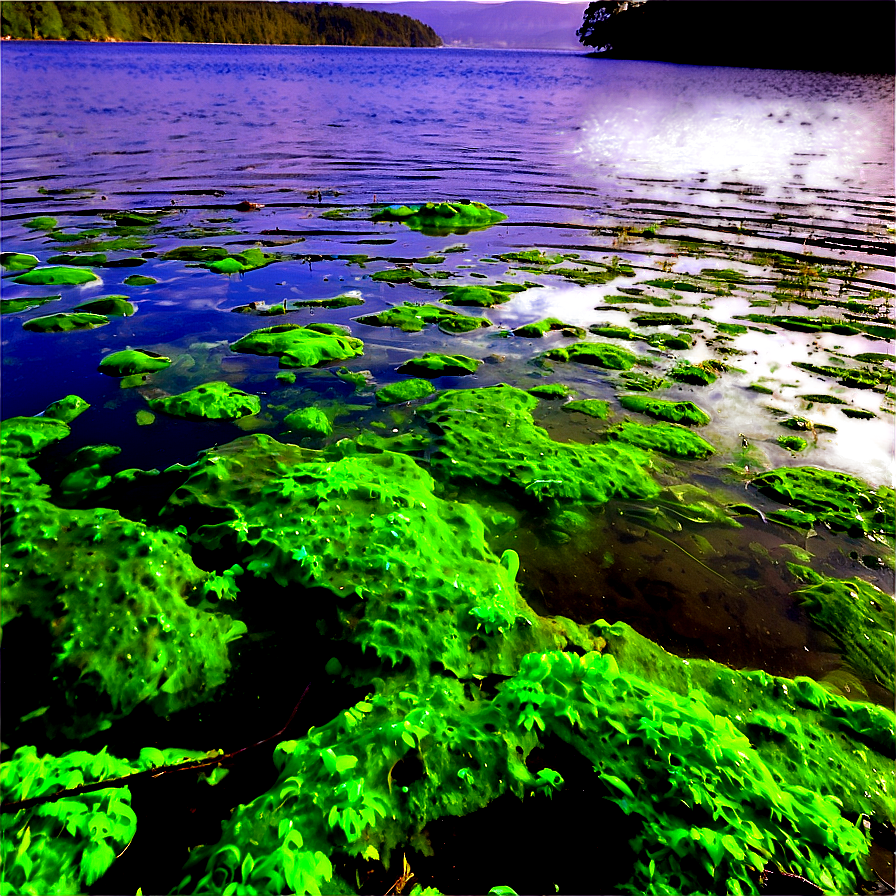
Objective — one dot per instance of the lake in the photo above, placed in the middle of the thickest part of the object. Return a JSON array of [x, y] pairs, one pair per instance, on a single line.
[[726, 234]]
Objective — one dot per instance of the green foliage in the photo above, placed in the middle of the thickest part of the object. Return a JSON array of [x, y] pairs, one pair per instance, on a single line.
[[210, 401], [411, 318], [298, 346]]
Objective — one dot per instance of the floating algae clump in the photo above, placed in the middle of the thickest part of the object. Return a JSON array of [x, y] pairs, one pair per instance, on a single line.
[[432, 364], [345, 300], [411, 318], [598, 354], [65, 322], [442, 218], [670, 438], [843, 502], [399, 275], [405, 390], [114, 593], [59, 276], [115, 306], [309, 422], [210, 401], [673, 411], [14, 306], [132, 361], [299, 346], [859, 616]]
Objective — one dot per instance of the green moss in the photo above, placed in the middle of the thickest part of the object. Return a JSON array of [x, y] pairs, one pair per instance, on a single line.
[[843, 502], [859, 616], [673, 284], [411, 318], [821, 398], [609, 331], [695, 374], [442, 218], [210, 401], [481, 296], [802, 424], [66, 409], [79, 260], [660, 319], [201, 254], [65, 322], [597, 354], [345, 300], [42, 222], [298, 346], [356, 378], [853, 377], [144, 417], [674, 341], [113, 306], [532, 257], [137, 218], [670, 438], [728, 329], [59, 276], [593, 407], [18, 261], [685, 412], [637, 381], [537, 329], [432, 364], [551, 391], [792, 443], [309, 422], [132, 361], [140, 280], [404, 390], [762, 390], [814, 324], [15, 306], [26, 436]]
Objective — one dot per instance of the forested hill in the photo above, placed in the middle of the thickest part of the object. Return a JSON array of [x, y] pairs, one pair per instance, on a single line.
[[211, 21]]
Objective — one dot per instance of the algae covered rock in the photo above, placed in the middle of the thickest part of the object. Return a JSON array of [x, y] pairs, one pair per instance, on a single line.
[[670, 438], [66, 409], [133, 361], [547, 325], [27, 436], [411, 318], [597, 354], [56, 276], [65, 322], [685, 412], [18, 261], [309, 422], [433, 364], [442, 218], [592, 407], [843, 502], [551, 391], [299, 346], [14, 306], [695, 374], [404, 390], [481, 296], [113, 306], [210, 401], [140, 280]]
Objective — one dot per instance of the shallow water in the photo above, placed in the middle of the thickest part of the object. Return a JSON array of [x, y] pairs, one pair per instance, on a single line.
[[723, 165]]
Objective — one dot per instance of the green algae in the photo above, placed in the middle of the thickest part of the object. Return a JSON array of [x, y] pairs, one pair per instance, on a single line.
[[240, 262], [66, 409], [411, 318], [95, 260], [481, 296], [675, 341], [298, 346], [144, 417], [695, 374], [42, 222], [399, 275], [802, 424], [201, 254], [133, 361], [593, 407], [533, 257], [873, 377], [551, 391], [140, 280], [859, 616], [685, 412], [346, 300], [309, 422], [597, 354], [404, 390], [821, 324], [637, 381], [821, 398], [669, 438], [673, 284], [547, 325], [843, 502], [27, 436], [57, 276], [660, 319], [610, 331], [442, 218], [210, 401], [15, 306], [433, 364], [859, 413], [358, 379], [792, 443], [112, 306], [18, 261], [65, 322], [762, 390]]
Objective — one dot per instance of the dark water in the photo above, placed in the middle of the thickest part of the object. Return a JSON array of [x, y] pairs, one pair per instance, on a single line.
[[570, 148]]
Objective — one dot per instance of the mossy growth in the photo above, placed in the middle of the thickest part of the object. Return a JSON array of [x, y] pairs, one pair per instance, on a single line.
[[695, 374], [843, 502], [404, 390], [411, 318], [201, 254], [140, 280], [685, 412], [673, 341], [442, 218], [481, 296], [860, 617], [596, 354], [551, 391], [299, 346], [16, 306], [18, 261], [56, 276], [310, 421], [762, 390], [210, 401], [27, 436], [111, 306], [814, 324], [433, 364], [65, 322], [133, 361], [113, 592], [669, 438], [660, 319], [66, 409], [803, 424], [872, 377], [97, 259], [792, 443], [399, 275], [345, 300], [547, 325], [358, 379], [610, 331], [593, 407], [859, 413], [638, 381], [820, 398], [535, 257], [42, 222]]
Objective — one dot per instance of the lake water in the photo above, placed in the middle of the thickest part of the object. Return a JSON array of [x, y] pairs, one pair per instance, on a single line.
[[680, 172]]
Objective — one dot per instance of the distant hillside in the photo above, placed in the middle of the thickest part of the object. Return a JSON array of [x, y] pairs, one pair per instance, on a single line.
[[211, 21], [516, 23]]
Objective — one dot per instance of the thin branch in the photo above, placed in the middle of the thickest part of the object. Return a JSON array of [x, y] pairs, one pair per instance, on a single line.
[[191, 765]]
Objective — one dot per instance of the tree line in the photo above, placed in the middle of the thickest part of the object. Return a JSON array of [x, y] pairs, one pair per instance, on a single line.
[[211, 21]]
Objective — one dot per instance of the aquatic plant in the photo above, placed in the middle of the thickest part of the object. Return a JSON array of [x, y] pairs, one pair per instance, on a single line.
[[551, 391], [112, 306], [481, 296], [65, 409], [593, 407], [18, 261], [57, 276]]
